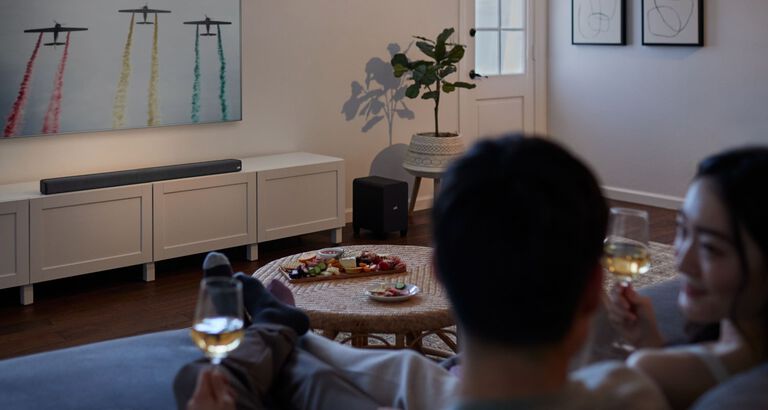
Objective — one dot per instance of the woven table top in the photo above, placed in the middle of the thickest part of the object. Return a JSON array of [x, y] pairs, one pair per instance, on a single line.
[[341, 305]]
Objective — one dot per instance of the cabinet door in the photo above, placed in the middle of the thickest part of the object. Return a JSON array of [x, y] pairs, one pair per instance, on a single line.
[[89, 231], [14, 244], [299, 200], [202, 214]]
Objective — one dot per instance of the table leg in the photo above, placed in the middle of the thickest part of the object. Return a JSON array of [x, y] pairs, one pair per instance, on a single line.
[[336, 236], [400, 341], [413, 341], [252, 252], [148, 273], [27, 295], [436, 189], [359, 340], [414, 194]]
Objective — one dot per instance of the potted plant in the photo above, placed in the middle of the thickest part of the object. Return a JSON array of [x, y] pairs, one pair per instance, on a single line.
[[430, 152]]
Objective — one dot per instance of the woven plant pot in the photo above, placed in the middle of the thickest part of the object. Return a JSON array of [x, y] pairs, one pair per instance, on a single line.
[[429, 156]]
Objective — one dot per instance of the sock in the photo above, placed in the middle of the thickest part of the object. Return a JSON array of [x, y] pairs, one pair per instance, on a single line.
[[217, 264], [265, 308]]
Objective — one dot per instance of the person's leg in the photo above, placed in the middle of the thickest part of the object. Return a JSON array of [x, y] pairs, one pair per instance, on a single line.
[[261, 305], [325, 371], [250, 369]]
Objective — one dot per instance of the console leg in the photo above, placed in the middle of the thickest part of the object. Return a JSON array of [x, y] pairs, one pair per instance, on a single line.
[[26, 295], [336, 236], [252, 252], [149, 272], [414, 194]]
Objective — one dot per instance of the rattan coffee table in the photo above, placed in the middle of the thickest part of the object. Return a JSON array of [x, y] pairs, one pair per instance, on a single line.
[[338, 307]]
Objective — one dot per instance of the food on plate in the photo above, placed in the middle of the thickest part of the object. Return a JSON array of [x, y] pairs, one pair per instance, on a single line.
[[312, 264], [391, 290], [349, 262], [306, 257]]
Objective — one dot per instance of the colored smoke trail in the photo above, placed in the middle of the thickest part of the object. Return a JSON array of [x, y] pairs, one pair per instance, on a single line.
[[196, 85], [222, 79], [118, 109], [53, 115], [152, 105], [17, 113]]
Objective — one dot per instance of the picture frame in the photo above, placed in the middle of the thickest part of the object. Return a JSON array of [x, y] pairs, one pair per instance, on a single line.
[[75, 66], [599, 22], [673, 23]]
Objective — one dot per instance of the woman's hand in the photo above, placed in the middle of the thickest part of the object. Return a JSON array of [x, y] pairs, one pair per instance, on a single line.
[[212, 392], [632, 316]]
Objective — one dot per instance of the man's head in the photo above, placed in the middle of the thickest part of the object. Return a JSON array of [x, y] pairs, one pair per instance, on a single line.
[[518, 229]]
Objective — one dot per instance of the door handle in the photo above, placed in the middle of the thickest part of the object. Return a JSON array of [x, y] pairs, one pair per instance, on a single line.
[[473, 75], [472, 32]]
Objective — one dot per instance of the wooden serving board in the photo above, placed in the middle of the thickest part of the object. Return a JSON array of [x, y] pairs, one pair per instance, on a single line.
[[341, 276]]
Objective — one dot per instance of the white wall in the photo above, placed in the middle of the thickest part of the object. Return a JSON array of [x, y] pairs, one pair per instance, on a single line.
[[644, 116], [299, 59]]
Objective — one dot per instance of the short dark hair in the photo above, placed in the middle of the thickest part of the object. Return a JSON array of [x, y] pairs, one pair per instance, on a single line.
[[518, 227]]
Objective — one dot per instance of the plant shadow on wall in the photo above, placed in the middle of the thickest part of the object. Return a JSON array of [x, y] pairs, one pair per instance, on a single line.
[[380, 97]]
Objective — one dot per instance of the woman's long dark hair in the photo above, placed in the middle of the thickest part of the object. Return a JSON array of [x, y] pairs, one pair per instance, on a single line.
[[740, 177]]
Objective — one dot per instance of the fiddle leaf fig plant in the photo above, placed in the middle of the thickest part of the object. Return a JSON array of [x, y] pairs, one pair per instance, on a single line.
[[429, 76]]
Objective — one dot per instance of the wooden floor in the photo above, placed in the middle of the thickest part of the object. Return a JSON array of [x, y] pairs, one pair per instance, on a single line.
[[117, 303]]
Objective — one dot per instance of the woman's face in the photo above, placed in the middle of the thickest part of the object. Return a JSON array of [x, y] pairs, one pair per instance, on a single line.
[[709, 264]]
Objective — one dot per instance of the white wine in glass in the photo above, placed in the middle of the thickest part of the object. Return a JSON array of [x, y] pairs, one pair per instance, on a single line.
[[626, 252], [218, 325]]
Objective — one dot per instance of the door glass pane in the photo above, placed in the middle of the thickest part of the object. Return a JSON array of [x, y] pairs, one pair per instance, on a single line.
[[512, 14], [487, 52], [513, 52], [487, 13]]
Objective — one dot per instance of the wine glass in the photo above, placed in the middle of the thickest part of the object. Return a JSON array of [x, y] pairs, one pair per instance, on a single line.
[[218, 323], [626, 253]]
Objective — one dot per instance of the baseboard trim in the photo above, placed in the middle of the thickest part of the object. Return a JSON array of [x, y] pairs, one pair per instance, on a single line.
[[642, 197], [421, 204]]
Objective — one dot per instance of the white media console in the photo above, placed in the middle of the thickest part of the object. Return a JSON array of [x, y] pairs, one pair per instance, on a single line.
[[47, 237]]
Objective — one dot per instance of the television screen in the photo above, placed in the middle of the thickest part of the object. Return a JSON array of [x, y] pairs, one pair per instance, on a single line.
[[85, 65]]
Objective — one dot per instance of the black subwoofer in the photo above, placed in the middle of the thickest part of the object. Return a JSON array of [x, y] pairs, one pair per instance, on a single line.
[[380, 205]]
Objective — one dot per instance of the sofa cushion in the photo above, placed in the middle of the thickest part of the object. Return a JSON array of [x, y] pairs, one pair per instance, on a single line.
[[745, 391], [131, 373]]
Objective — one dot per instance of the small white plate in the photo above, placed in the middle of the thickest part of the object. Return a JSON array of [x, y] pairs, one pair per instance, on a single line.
[[328, 253], [410, 290]]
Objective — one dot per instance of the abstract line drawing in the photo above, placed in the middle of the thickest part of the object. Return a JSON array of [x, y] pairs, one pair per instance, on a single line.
[[598, 22], [669, 20], [672, 22]]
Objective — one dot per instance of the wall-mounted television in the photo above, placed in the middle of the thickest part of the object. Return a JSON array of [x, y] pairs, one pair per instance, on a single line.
[[83, 65]]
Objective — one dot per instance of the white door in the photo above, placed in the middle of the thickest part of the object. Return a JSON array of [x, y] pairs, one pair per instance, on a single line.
[[502, 38]]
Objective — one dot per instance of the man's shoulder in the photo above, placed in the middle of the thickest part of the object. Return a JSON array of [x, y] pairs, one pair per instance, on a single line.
[[613, 385]]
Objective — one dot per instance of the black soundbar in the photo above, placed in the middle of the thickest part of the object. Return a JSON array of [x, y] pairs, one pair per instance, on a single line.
[[137, 176]]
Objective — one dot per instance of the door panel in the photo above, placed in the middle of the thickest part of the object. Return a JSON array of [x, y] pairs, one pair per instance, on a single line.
[[503, 103]]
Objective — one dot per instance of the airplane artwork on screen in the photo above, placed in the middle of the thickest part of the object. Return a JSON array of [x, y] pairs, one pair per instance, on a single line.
[[105, 77]]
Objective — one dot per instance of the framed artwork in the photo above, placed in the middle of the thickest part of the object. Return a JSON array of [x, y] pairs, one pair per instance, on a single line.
[[673, 22], [84, 65], [599, 22]]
